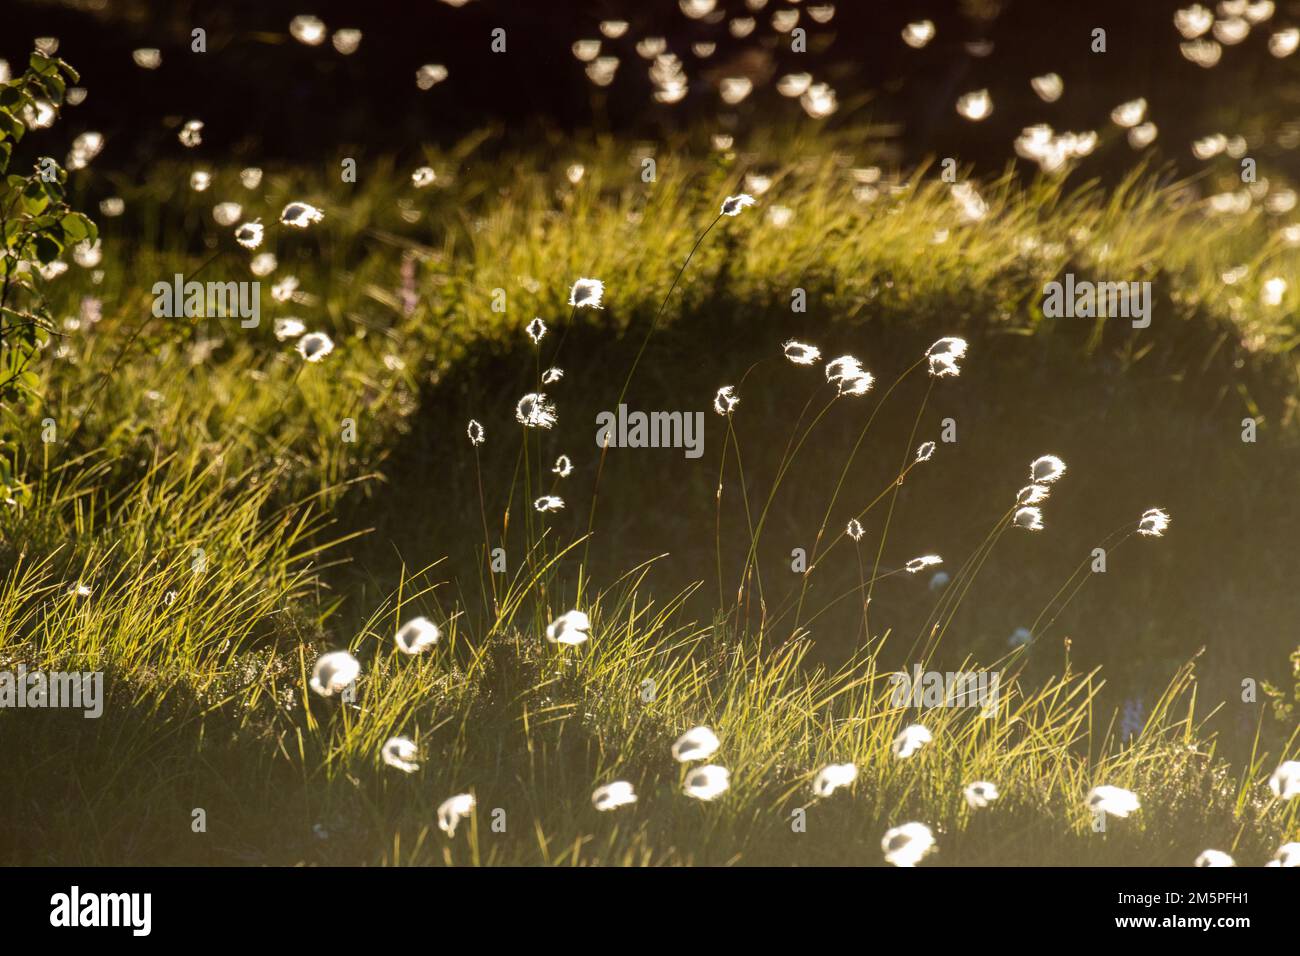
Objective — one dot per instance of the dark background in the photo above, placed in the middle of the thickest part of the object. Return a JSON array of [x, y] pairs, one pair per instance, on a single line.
[[262, 94]]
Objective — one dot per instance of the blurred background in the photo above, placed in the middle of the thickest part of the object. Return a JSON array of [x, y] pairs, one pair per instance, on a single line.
[[264, 94]]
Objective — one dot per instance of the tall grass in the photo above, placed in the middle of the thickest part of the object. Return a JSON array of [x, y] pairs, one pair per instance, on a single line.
[[200, 468]]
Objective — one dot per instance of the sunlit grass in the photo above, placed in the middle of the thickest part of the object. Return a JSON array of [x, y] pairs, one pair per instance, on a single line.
[[199, 465]]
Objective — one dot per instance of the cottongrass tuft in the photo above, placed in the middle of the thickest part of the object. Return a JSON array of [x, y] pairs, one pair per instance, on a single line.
[[289, 328], [832, 777], [400, 753], [535, 410], [552, 375], [453, 810], [300, 215], [1153, 522], [926, 450], [707, 782], [980, 794], [801, 354], [1288, 854], [911, 739], [475, 432], [422, 177], [1214, 858], [1032, 494], [1029, 518], [906, 845], [284, 290], [536, 330], [549, 503], [563, 466], [1285, 781], [944, 356], [841, 368], [571, 628], [586, 293], [923, 562], [334, 672], [417, 635], [191, 133], [725, 401], [1046, 469], [848, 376], [314, 346], [1115, 801], [227, 213], [732, 205], [918, 34], [858, 384], [855, 529], [249, 234], [307, 30], [698, 743], [613, 795]]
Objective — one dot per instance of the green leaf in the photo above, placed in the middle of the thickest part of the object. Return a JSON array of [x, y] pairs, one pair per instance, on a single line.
[[11, 125], [77, 228], [55, 86], [47, 249], [68, 71]]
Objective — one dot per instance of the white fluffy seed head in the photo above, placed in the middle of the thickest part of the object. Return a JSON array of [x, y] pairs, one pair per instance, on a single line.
[[707, 782], [1029, 518], [400, 753], [314, 346], [725, 401], [906, 845], [613, 795], [570, 628], [334, 672], [289, 328], [586, 293], [944, 356], [1046, 469], [1153, 522], [1285, 781], [732, 205], [801, 354], [832, 777], [452, 810], [923, 562], [249, 234], [1032, 494], [911, 739], [980, 794], [417, 635], [1115, 801], [1215, 858], [535, 410], [300, 215], [698, 743], [1288, 854]]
